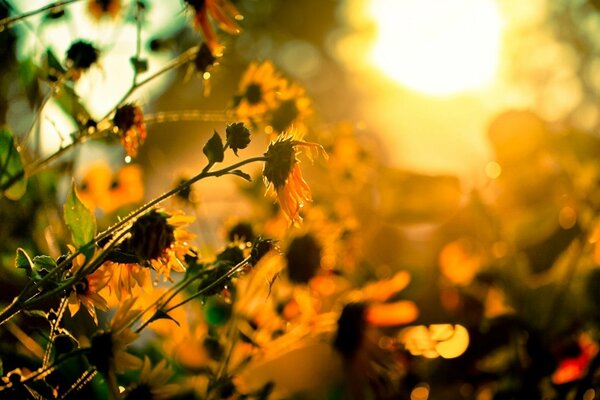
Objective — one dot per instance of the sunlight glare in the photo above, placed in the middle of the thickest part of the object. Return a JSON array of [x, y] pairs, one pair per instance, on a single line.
[[437, 47]]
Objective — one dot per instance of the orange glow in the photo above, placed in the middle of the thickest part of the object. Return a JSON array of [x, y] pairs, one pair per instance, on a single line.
[[445, 340], [392, 314]]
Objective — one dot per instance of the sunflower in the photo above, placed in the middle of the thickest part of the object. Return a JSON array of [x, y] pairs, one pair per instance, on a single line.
[[129, 125], [108, 348], [282, 173], [102, 188], [294, 106], [257, 93], [101, 8], [152, 384], [86, 293], [157, 241], [222, 11]]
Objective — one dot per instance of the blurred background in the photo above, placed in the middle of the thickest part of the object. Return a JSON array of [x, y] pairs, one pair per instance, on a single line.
[[475, 169]]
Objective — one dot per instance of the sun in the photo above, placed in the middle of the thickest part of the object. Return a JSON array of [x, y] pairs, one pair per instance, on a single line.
[[437, 47]]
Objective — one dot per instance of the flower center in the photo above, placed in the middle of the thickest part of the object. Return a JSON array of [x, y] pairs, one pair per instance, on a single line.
[[82, 286], [284, 115], [151, 235], [253, 93]]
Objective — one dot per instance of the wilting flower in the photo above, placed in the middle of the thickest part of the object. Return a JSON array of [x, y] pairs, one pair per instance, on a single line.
[[129, 124], [152, 383], [282, 173], [101, 8], [81, 55], [257, 93], [222, 11]]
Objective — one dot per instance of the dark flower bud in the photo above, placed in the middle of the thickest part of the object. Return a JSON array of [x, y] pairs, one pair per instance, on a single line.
[[238, 136], [241, 231], [126, 117], [82, 54], [303, 258], [232, 255], [204, 59], [260, 248], [351, 329]]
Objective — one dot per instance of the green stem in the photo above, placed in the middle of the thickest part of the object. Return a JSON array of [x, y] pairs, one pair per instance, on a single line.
[[183, 284], [10, 20], [183, 185]]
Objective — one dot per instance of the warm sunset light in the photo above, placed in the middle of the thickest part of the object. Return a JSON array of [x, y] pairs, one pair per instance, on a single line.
[[266, 199], [437, 47]]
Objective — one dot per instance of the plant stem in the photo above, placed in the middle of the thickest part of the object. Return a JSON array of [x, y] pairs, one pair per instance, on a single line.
[[10, 20]]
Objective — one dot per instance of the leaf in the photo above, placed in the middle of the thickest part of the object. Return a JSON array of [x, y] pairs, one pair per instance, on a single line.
[[12, 176], [55, 68], [160, 314], [44, 263], [140, 65], [23, 261], [213, 149], [29, 73], [242, 174], [71, 104], [36, 313], [79, 219]]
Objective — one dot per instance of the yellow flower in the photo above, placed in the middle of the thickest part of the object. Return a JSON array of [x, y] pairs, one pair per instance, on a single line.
[[108, 350], [85, 293], [130, 126], [282, 173], [223, 12], [257, 93], [101, 188], [294, 106], [159, 242], [152, 384], [126, 279]]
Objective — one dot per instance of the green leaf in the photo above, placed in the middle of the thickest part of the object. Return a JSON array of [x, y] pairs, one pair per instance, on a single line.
[[242, 174], [79, 219], [41, 263], [12, 176], [71, 104], [29, 73], [23, 261], [36, 313], [140, 65], [213, 149], [55, 68], [160, 314]]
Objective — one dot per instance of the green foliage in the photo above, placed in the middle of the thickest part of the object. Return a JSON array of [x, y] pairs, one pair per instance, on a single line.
[[12, 177], [80, 220]]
